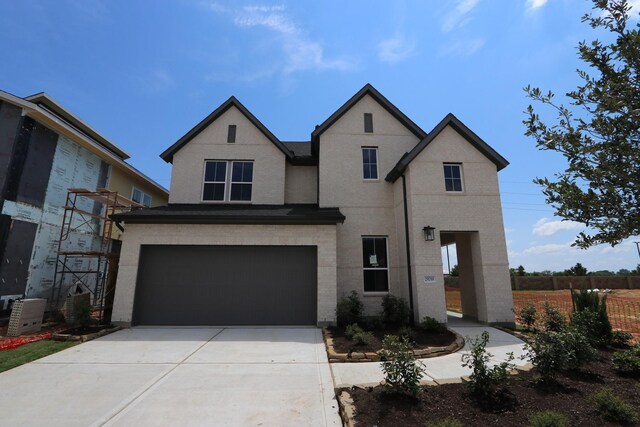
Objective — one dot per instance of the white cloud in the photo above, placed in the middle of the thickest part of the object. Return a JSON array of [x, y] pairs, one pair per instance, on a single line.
[[535, 4], [459, 15], [462, 48], [547, 248], [395, 49], [300, 53], [547, 227]]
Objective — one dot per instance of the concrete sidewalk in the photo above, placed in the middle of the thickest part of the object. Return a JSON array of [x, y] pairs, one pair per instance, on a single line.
[[177, 377], [441, 369]]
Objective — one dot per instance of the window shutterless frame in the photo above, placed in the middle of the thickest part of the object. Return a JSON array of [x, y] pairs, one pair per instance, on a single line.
[[453, 182], [375, 264], [370, 163], [214, 181], [141, 197], [227, 181]]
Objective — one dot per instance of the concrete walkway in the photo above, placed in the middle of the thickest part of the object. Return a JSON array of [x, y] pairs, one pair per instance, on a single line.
[[442, 369], [177, 377]]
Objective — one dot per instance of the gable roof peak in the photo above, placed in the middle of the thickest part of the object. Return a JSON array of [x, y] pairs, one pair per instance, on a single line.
[[367, 89], [463, 130], [232, 101]]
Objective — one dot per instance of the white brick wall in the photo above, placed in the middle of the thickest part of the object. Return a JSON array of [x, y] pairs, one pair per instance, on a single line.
[[322, 236]]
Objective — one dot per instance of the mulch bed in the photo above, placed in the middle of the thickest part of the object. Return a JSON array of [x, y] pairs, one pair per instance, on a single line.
[[343, 344], [571, 396]]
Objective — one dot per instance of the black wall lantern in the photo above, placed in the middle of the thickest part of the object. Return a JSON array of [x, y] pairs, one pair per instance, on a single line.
[[429, 233]]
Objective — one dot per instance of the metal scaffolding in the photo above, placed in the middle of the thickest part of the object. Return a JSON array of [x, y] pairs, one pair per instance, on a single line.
[[86, 260]]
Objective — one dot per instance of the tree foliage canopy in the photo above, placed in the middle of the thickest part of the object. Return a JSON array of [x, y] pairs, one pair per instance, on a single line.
[[598, 134]]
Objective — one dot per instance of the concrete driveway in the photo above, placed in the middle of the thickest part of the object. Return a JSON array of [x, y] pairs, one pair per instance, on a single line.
[[177, 377]]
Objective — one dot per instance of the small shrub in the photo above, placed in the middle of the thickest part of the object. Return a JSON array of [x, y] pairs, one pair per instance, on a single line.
[[402, 373], [447, 422], [408, 333], [621, 339], [588, 324], [83, 315], [362, 338], [627, 362], [551, 352], [548, 419], [484, 382], [352, 329], [584, 300], [528, 315], [553, 319], [349, 309], [396, 310], [431, 325], [371, 323], [613, 408]]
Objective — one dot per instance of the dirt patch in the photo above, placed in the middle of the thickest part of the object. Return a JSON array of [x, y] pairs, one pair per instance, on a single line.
[[571, 396]]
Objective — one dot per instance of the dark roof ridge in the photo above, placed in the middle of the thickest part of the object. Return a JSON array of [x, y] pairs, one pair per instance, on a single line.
[[167, 155], [463, 130]]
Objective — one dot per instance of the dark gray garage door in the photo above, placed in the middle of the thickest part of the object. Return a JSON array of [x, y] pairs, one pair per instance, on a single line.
[[226, 285]]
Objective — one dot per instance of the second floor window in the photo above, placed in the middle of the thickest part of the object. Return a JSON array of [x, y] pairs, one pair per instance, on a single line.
[[227, 180], [369, 163], [452, 177], [141, 197]]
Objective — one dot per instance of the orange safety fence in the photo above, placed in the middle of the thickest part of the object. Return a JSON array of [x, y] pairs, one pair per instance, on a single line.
[[624, 313], [10, 343]]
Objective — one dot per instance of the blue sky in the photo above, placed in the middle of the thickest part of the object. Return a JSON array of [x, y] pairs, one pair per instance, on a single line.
[[143, 73]]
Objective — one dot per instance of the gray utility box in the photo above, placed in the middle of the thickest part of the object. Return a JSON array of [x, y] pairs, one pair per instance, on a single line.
[[26, 316]]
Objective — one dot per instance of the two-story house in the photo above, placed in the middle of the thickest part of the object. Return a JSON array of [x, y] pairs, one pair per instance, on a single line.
[[45, 150], [260, 231]]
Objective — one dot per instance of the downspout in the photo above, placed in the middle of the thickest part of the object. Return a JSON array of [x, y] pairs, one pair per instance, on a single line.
[[406, 238]]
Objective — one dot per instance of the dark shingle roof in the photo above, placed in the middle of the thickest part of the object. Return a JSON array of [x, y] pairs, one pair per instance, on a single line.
[[299, 148], [233, 214]]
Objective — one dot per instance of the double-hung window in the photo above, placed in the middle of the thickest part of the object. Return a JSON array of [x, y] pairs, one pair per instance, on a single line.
[[227, 181], [375, 264], [370, 163], [453, 177], [141, 197]]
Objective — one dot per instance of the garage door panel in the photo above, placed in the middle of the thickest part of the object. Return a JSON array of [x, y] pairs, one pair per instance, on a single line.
[[226, 285]]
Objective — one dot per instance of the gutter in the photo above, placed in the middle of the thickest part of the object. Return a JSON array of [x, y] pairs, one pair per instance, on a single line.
[[406, 238]]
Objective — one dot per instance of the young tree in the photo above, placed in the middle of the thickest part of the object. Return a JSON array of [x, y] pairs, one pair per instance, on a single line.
[[577, 270], [520, 271], [598, 134]]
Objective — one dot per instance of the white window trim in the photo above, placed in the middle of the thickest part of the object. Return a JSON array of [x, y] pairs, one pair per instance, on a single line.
[[227, 182], [376, 293], [377, 164], [142, 194], [444, 180]]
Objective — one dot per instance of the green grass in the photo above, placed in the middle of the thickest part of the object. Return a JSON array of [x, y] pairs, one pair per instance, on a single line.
[[9, 359]]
